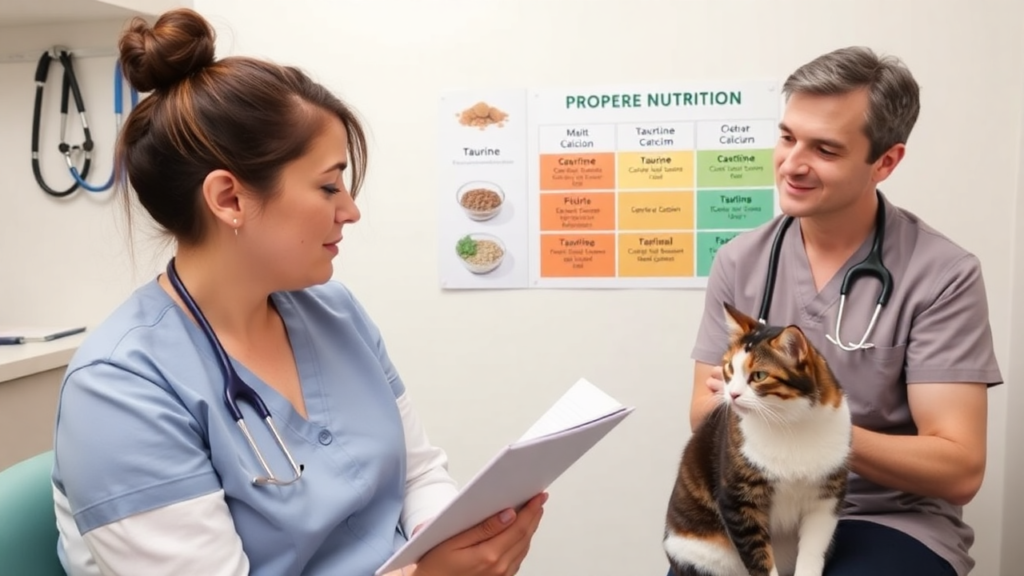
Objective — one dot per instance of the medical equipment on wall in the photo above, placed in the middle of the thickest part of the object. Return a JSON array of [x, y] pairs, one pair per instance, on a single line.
[[235, 388], [872, 265], [70, 88], [119, 83], [69, 84]]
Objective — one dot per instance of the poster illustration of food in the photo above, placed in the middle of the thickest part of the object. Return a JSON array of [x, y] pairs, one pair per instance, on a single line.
[[484, 205], [613, 187]]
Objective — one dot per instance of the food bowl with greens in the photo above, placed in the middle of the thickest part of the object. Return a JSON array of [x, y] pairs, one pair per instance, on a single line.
[[480, 253]]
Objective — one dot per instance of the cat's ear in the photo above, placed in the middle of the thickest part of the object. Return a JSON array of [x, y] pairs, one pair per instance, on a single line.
[[793, 343], [738, 322]]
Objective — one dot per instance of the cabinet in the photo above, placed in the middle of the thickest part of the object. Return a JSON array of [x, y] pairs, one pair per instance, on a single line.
[[30, 377]]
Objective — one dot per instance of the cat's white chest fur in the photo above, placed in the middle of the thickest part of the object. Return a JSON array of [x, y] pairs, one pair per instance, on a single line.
[[791, 500], [798, 457], [808, 448]]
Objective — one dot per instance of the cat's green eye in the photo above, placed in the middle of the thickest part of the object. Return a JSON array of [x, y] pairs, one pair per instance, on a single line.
[[758, 376]]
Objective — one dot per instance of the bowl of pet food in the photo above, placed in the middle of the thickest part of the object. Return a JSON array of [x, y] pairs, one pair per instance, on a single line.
[[480, 253], [481, 200]]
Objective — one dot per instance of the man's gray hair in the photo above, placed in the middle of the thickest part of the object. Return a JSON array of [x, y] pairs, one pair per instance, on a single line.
[[894, 95]]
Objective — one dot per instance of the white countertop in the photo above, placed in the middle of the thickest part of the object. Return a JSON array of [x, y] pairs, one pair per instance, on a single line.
[[18, 360]]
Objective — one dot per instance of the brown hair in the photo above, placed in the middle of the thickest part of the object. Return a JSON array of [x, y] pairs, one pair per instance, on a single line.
[[894, 94], [244, 115]]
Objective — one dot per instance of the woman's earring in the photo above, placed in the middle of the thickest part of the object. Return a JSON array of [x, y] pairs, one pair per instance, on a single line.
[[235, 222]]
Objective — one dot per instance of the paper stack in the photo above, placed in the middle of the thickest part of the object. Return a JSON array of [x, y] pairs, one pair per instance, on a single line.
[[523, 469]]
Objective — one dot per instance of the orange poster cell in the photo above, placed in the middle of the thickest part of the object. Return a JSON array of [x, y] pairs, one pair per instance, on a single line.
[[577, 171], [656, 255], [577, 255], [594, 211]]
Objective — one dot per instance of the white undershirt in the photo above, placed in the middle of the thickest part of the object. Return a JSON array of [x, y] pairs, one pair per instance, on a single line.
[[153, 543]]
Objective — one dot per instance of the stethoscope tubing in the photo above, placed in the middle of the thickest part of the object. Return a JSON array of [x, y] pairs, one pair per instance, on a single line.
[[69, 85], [871, 265], [235, 388], [232, 382], [119, 82]]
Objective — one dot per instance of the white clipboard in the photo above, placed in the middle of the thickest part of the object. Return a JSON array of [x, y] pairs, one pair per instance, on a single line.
[[521, 470]]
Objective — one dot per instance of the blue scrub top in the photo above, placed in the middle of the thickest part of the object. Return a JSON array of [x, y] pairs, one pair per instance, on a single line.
[[142, 424]]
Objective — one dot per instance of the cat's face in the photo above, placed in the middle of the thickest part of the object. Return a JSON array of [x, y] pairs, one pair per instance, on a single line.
[[771, 371]]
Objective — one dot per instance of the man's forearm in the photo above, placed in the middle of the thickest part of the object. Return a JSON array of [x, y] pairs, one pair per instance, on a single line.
[[924, 465]]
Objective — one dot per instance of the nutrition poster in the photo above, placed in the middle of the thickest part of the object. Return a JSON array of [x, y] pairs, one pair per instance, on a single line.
[[621, 187]]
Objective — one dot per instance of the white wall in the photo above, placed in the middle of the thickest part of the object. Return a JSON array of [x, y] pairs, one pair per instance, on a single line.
[[62, 260], [391, 59], [1013, 495]]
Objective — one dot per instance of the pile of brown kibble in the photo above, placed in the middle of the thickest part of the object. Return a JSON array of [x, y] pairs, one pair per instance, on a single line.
[[482, 115], [481, 199]]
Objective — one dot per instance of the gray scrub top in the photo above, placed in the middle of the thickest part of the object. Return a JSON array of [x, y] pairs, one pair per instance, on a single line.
[[935, 328]]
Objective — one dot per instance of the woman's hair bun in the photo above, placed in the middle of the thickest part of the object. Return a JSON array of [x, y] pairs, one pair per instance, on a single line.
[[181, 43]]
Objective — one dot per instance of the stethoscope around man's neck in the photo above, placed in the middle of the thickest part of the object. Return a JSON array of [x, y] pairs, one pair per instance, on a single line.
[[871, 265]]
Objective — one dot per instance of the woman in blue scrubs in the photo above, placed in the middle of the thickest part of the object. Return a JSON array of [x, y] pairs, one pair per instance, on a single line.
[[244, 163]]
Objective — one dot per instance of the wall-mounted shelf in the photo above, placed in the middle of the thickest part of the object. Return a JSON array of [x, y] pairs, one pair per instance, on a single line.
[[15, 13], [21, 20]]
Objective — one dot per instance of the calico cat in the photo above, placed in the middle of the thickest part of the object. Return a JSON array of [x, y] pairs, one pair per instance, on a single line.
[[762, 480]]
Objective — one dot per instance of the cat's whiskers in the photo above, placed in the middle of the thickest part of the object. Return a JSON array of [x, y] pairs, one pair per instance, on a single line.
[[769, 413], [718, 398], [766, 414]]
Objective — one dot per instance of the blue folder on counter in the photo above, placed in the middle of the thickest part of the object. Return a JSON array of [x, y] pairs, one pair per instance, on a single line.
[[36, 334]]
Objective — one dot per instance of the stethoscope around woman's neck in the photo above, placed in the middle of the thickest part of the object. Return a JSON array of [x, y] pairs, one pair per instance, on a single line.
[[236, 389], [871, 265]]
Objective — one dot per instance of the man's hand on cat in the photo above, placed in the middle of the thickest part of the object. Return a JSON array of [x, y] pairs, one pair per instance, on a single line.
[[715, 382]]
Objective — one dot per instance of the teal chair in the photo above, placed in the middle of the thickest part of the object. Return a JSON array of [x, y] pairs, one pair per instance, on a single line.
[[28, 525]]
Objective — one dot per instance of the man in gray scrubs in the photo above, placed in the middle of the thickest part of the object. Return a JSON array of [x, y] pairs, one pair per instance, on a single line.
[[918, 394]]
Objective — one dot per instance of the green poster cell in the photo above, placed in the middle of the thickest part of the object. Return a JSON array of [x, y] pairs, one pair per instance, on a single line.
[[727, 209], [708, 244], [735, 168]]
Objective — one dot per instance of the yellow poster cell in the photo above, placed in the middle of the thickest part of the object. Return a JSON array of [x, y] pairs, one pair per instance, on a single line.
[[655, 170], [656, 255], [656, 210]]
